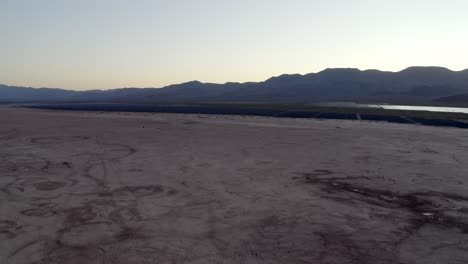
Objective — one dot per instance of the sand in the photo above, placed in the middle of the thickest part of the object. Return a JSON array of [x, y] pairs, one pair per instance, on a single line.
[[87, 187]]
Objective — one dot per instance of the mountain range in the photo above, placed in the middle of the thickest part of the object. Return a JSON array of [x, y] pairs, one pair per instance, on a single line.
[[414, 84]]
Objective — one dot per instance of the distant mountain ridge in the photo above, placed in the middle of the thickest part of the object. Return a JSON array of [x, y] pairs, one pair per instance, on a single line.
[[460, 99], [336, 84]]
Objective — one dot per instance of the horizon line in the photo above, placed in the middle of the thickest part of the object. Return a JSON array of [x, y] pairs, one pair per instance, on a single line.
[[275, 76]]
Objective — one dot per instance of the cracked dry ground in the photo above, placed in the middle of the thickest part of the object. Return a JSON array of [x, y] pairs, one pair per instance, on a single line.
[[167, 188]]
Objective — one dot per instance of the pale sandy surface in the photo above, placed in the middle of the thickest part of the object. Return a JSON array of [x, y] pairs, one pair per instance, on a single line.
[[166, 188]]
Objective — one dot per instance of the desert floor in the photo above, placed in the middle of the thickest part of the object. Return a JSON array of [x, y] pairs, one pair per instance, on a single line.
[[87, 187]]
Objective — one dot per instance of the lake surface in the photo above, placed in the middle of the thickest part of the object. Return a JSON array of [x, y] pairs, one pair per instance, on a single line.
[[398, 107], [426, 108]]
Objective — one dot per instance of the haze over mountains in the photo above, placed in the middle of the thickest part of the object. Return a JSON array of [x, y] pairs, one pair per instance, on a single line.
[[414, 84]]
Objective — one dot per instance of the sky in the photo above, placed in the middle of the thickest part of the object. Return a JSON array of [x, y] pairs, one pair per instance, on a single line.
[[101, 44]]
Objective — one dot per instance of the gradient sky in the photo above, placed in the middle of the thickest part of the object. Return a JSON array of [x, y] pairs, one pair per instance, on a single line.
[[89, 44]]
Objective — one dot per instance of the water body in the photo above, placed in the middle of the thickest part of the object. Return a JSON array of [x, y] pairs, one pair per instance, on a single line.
[[398, 107], [426, 108]]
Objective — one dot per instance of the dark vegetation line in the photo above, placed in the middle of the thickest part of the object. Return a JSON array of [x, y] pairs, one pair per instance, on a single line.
[[288, 111]]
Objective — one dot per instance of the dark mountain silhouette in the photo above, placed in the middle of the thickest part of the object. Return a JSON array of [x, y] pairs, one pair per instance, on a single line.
[[459, 99], [15, 93], [342, 84]]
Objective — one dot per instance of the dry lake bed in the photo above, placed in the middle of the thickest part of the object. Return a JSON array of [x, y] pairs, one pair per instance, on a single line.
[[89, 187]]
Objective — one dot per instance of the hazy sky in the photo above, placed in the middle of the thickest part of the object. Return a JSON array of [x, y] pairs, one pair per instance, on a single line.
[[86, 44]]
